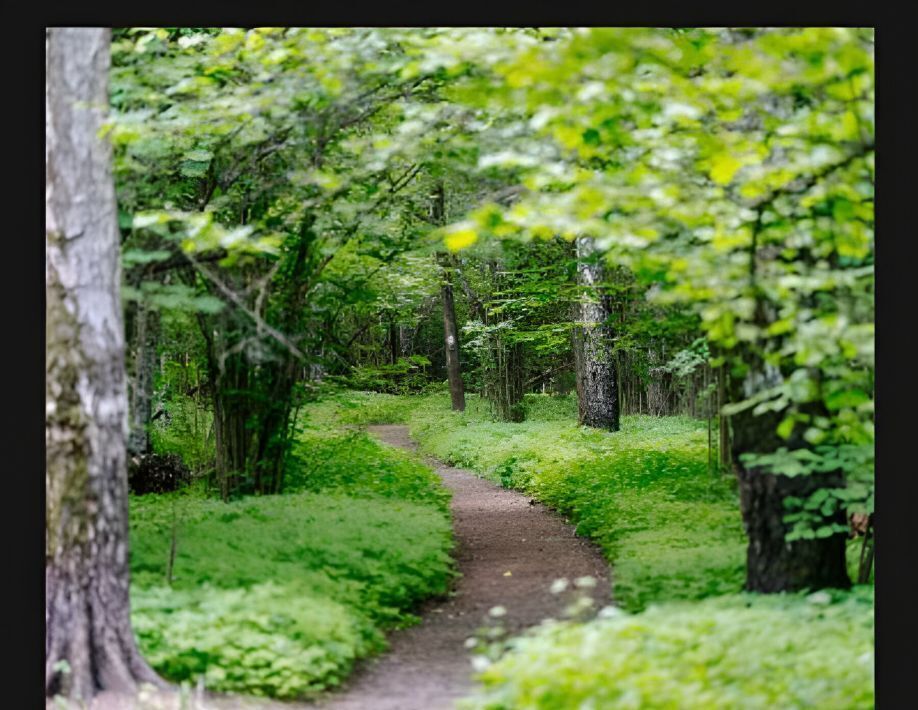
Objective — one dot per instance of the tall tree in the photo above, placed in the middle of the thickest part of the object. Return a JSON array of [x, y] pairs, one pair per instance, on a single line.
[[143, 337], [597, 383], [450, 331], [89, 643]]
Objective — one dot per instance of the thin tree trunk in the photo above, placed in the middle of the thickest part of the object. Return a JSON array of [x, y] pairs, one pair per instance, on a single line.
[[87, 615], [450, 332], [722, 419], [146, 335], [451, 342], [405, 340]]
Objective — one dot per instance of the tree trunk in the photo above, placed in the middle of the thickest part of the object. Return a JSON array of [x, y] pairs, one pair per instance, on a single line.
[[140, 402], [451, 342], [772, 563], [450, 332], [394, 343], [595, 362], [405, 340], [87, 615], [723, 422]]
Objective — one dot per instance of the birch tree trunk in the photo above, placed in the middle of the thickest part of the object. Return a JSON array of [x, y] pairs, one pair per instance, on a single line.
[[451, 343], [86, 569], [597, 389]]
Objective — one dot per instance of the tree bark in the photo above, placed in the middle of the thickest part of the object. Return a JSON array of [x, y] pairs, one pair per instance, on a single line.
[[405, 340], [450, 332], [723, 422], [451, 343], [86, 568], [597, 389], [140, 400], [772, 563]]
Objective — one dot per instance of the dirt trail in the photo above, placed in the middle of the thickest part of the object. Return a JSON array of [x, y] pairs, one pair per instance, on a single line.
[[497, 531]]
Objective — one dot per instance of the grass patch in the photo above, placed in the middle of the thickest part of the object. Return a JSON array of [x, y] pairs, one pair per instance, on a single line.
[[279, 595]]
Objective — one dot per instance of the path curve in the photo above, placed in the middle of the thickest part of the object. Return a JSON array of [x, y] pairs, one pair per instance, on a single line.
[[497, 531]]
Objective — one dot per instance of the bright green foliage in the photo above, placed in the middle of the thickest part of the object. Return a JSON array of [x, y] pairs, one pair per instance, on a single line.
[[189, 433], [279, 640], [734, 168], [279, 595], [736, 651], [318, 466], [360, 408]]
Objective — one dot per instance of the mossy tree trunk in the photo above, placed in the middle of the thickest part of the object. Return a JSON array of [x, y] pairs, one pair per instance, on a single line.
[[86, 569]]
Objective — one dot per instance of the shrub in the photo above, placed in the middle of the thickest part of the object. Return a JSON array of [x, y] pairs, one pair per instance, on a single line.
[[735, 651]]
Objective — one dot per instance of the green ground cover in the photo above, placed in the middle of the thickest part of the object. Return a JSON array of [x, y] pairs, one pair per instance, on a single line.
[[683, 636], [279, 595], [755, 652]]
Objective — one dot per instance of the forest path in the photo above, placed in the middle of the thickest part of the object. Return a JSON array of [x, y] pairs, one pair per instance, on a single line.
[[427, 666], [497, 531]]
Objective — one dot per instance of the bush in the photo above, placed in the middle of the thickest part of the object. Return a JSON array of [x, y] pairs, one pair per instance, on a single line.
[[353, 461], [736, 651], [185, 430]]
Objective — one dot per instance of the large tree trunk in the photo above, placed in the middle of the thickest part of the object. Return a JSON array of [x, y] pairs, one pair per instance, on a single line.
[[772, 563], [597, 389], [86, 568]]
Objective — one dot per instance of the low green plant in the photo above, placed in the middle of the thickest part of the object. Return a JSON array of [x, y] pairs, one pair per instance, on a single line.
[[734, 651], [371, 469], [185, 429], [279, 595]]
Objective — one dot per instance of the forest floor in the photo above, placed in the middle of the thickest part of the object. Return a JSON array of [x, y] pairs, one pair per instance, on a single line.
[[509, 550]]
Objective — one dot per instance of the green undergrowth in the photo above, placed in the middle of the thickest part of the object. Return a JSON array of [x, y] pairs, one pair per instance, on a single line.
[[672, 528], [734, 651], [683, 634], [279, 595]]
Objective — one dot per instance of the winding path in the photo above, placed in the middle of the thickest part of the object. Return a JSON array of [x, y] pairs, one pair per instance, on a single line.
[[498, 531]]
